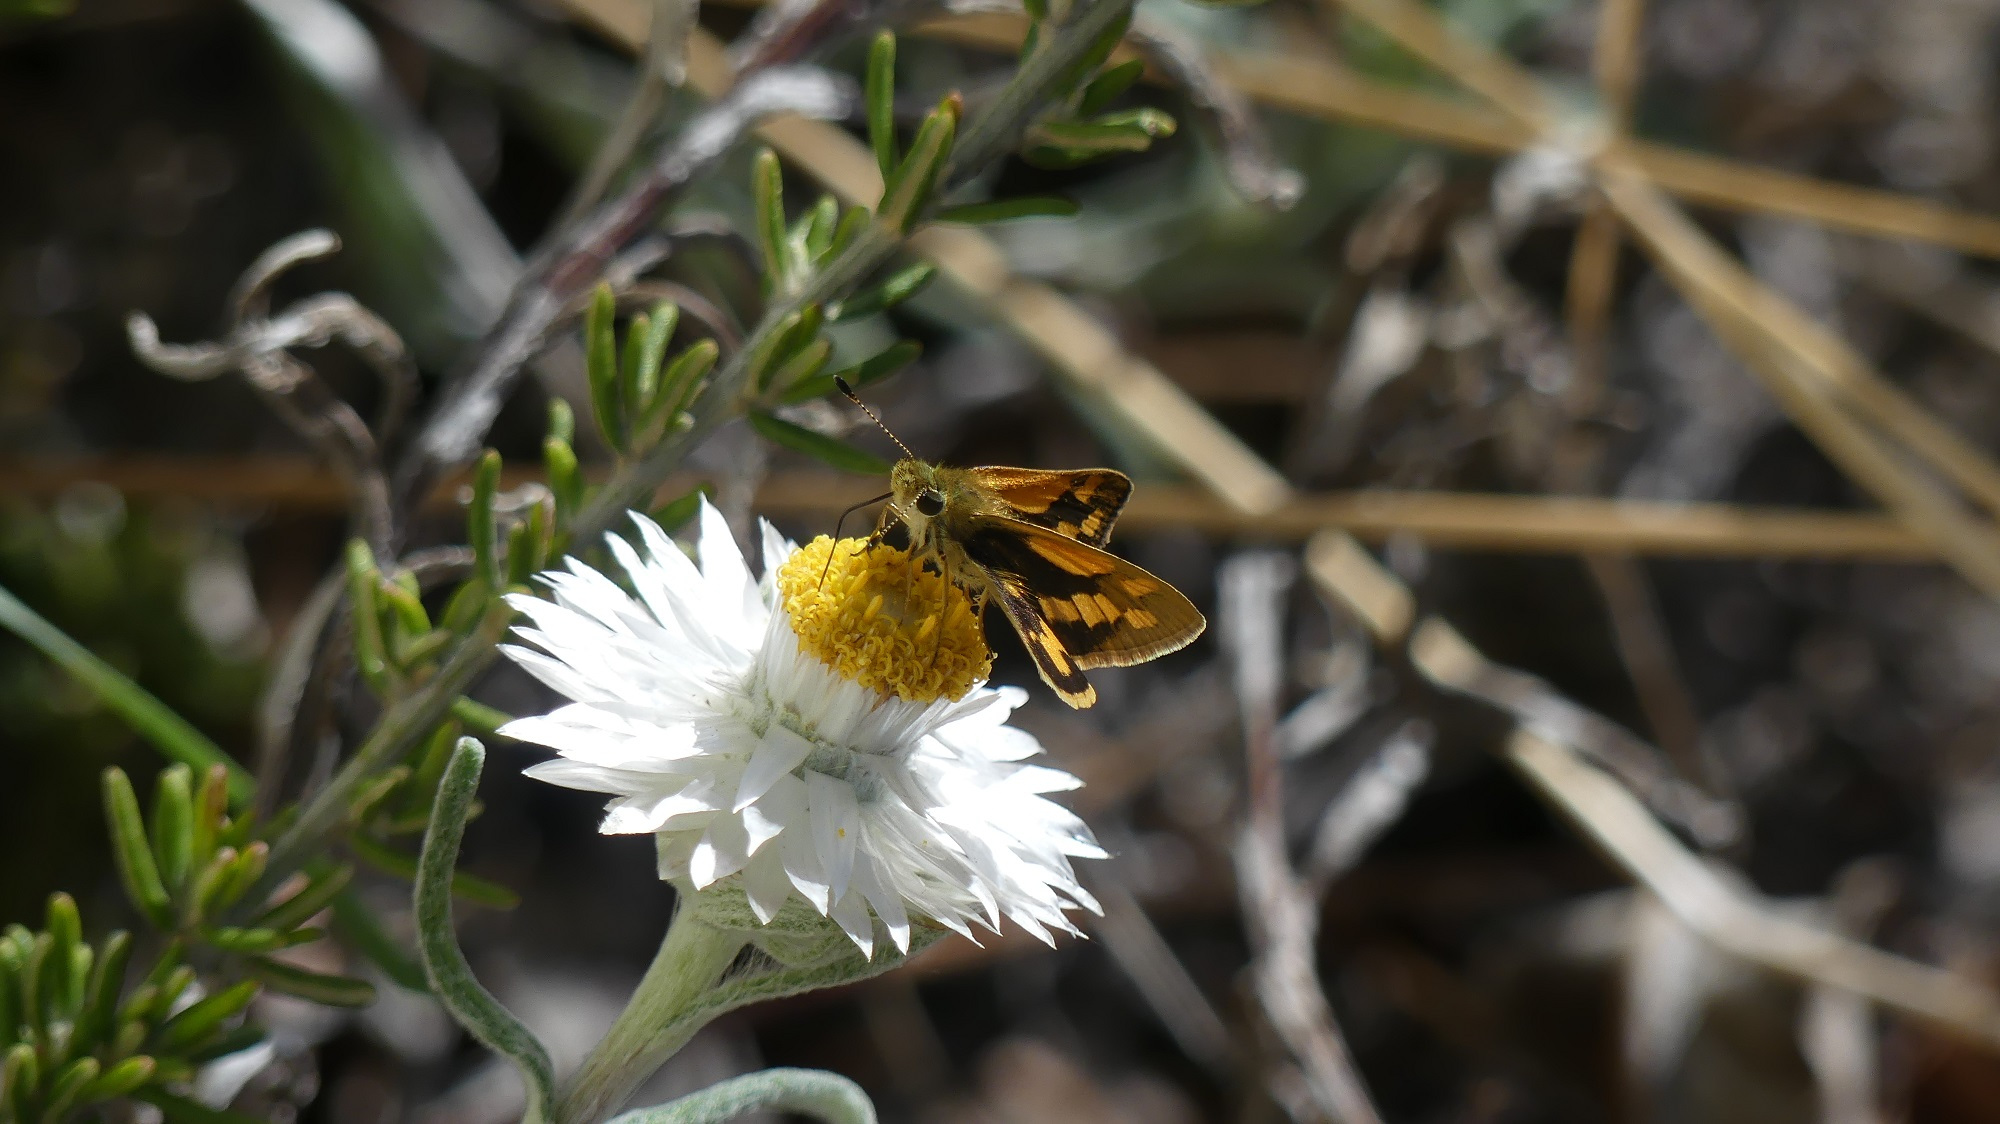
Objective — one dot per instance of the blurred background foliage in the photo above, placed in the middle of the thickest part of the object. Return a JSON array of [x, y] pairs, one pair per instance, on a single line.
[[153, 147]]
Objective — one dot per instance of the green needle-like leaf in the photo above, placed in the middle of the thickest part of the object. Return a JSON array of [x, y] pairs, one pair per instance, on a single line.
[[650, 347], [600, 364], [767, 191], [1000, 210], [203, 1017], [1105, 88], [121, 1080], [361, 930], [331, 991], [308, 901], [831, 450], [479, 522], [881, 96], [451, 977], [148, 716], [99, 1017], [173, 827], [901, 286], [875, 368], [464, 886], [906, 192]]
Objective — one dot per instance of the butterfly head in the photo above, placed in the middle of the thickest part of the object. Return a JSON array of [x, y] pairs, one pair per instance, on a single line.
[[917, 492]]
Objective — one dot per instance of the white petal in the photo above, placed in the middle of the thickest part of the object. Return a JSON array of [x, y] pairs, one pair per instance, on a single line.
[[727, 578], [765, 885], [851, 914], [887, 906], [836, 822], [723, 850], [780, 751], [804, 869]]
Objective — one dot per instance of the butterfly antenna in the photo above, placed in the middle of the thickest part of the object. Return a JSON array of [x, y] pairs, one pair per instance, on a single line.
[[840, 384]]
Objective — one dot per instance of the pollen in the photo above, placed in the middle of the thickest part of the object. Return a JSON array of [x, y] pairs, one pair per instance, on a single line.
[[878, 618]]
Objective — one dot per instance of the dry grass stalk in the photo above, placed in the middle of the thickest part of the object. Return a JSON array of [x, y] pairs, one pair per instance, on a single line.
[[1445, 520], [1732, 919], [1313, 87], [1826, 386]]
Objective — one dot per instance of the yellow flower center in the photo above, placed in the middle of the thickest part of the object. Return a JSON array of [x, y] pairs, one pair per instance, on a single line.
[[878, 618]]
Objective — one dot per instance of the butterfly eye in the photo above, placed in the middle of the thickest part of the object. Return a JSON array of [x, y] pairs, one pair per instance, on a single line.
[[930, 502]]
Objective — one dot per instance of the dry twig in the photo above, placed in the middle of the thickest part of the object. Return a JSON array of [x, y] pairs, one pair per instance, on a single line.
[[1282, 916]]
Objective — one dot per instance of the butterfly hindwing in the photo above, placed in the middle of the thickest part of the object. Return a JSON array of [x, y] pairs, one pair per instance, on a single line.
[[1080, 505], [1075, 606]]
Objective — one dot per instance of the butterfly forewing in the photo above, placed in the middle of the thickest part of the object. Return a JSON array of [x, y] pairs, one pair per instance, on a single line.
[[1081, 504], [1076, 606]]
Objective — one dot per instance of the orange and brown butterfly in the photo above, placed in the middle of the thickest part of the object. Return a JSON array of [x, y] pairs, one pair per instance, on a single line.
[[1033, 541]]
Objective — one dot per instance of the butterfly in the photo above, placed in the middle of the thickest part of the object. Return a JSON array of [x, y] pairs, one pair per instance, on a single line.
[[1033, 541]]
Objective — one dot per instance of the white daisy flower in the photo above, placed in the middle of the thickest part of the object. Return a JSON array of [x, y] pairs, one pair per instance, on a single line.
[[826, 732]]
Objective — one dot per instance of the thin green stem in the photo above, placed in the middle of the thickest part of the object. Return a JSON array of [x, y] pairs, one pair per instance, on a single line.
[[655, 1022]]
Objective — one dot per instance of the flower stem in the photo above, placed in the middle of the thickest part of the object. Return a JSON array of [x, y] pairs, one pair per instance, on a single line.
[[654, 1023]]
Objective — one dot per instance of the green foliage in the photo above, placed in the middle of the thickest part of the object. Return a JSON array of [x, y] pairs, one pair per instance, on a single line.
[[173, 735], [830, 450], [805, 1092], [638, 397], [34, 11], [451, 977], [196, 873], [78, 1030]]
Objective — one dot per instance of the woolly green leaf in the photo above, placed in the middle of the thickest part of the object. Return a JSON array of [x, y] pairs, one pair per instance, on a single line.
[[148, 716], [806, 1092], [451, 977], [830, 450]]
